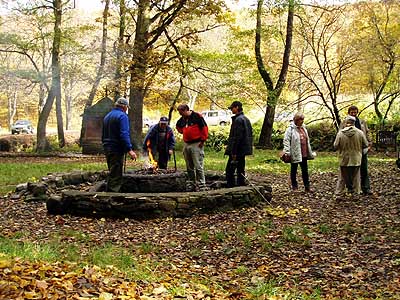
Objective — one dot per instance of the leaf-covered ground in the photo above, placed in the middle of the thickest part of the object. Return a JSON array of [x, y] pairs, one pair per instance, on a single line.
[[303, 246]]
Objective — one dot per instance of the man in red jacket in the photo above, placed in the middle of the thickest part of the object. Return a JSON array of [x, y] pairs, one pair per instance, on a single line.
[[195, 132]]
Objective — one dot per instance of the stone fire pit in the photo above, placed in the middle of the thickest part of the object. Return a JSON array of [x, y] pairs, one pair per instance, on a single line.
[[142, 196]]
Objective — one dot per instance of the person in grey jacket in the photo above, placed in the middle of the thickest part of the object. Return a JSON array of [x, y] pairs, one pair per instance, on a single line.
[[296, 143], [350, 143], [240, 144], [362, 125]]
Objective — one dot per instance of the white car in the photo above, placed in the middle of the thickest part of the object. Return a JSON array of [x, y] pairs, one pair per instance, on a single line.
[[217, 117], [147, 122], [22, 126]]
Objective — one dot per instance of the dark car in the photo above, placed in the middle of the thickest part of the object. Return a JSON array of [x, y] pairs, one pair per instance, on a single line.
[[22, 126]]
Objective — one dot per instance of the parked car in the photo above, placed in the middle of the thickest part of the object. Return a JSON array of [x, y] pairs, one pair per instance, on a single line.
[[22, 126], [217, 117], [147, 122]]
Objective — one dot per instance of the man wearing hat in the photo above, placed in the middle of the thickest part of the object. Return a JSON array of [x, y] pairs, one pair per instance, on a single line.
[[350, 143], [240, 144], [116, 142], [160, 140]]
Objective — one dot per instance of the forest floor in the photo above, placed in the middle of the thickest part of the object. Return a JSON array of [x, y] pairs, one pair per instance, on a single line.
[[302, 246]]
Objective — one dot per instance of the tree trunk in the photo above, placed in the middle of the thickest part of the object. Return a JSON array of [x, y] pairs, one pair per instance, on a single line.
[[12, 107], [59, 114], [43, 88], [68, 105], [265, 139], [138, 73], [55, 90], [273, 92], [120, 51], [42, 97], [100, 70], [177, 96]]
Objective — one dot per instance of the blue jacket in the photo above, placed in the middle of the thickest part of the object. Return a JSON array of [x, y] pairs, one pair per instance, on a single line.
[[116, 132], [153, 136]]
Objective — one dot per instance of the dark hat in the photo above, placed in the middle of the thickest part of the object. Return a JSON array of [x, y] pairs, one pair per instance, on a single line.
[[164, 120], [122, 101], [234, 104]]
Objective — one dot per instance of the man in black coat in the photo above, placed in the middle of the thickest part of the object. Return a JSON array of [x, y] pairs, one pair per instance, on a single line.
[[240, 144]]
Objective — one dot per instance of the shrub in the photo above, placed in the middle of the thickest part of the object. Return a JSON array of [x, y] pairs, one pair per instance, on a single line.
[[322, 136], [217, 138]]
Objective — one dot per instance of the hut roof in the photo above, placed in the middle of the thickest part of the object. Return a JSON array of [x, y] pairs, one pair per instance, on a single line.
[[102, 107]]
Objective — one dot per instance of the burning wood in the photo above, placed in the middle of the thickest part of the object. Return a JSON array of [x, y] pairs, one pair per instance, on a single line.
[[153, 165], [150, 171]]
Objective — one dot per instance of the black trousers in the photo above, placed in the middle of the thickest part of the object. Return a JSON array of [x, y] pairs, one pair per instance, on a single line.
[[365, 185], [115, 164], [304, 173], [237, 166], [163, 158]]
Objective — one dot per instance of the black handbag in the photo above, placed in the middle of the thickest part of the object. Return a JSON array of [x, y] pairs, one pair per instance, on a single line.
[[286, 158]]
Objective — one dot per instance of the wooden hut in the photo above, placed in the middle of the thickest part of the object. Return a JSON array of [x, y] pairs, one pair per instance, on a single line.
[[93, 118]]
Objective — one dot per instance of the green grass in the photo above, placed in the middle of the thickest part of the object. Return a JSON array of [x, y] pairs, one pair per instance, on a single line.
[[28, 250], [12, 174], [261, 162], [104, 255]]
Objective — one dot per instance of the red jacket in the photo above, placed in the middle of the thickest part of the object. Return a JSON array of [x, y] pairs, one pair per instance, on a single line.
[[194, 128]]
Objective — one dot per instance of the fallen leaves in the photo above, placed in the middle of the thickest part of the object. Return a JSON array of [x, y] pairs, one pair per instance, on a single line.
[[27, 280], [306, 244]]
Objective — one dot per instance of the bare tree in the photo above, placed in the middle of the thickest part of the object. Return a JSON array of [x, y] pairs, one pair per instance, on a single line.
[[329, 57], [378, 43]]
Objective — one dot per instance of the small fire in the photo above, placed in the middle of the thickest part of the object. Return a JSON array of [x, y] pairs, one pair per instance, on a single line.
[[153, 162]]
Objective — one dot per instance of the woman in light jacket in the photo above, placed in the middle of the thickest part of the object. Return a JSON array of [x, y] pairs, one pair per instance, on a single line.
[[296, 143]]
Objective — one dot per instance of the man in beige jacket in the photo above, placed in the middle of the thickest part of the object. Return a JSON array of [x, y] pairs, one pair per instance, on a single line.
[[350, 143]]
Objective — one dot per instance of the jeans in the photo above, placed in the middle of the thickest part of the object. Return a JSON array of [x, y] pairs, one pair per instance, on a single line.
[[237, 165], [304, 174]]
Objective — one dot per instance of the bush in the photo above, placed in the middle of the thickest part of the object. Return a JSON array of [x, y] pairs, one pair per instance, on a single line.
[[217, 138], [322, 136]]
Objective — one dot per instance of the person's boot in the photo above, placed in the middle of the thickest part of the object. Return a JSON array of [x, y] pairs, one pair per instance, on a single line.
[[190, 186]]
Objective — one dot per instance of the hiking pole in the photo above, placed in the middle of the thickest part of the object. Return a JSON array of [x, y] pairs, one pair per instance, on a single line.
[[256, 189], [125, 163], [173, 151]]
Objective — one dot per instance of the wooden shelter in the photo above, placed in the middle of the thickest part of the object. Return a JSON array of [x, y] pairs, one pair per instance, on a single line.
[[93, 118]]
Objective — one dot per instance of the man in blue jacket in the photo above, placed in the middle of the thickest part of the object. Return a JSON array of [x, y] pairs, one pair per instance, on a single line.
[[116, 142], [160, 140]]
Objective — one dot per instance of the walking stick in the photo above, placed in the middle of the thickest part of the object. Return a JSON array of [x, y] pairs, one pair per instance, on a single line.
[[173, 151], [256, 189], [125, 163]]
